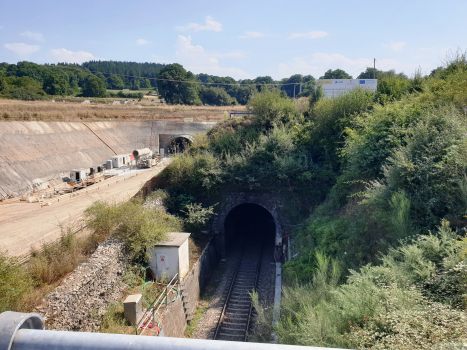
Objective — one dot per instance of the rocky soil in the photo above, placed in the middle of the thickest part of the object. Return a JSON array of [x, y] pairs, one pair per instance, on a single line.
[[81, 300]]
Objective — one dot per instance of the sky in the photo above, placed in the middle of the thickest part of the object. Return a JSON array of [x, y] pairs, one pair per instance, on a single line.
[[240, 39]]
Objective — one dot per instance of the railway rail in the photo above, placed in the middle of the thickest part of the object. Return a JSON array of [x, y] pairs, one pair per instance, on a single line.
[[236, 317]]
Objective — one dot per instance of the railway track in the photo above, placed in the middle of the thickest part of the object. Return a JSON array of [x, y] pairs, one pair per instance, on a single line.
[[235, 319]]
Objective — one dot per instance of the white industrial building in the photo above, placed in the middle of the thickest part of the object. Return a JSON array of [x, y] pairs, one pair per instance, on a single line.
[[335, 87]]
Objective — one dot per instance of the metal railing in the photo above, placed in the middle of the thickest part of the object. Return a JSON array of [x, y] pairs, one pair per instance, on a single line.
[[151, 314], [21, 331]]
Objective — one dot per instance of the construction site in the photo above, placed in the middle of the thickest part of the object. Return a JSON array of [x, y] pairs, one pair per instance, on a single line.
[[51, 171]]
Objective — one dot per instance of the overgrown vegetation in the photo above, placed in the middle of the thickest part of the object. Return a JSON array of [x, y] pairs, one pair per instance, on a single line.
[[23, 286], [381, 171]]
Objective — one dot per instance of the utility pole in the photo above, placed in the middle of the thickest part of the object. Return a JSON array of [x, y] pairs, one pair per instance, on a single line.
[[294, 91], [374, 68]]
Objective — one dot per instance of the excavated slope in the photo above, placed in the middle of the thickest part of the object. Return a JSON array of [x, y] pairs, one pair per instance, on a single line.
[[36, 152]]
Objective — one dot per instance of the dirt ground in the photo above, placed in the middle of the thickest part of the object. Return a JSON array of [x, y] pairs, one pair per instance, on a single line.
[[27, 225]]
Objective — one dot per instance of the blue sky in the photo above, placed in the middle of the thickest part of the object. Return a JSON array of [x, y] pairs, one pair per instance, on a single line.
[[241, 39]]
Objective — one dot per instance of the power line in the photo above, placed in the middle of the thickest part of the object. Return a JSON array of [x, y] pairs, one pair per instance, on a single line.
[[193, 82], [360, 69], [378, 65]]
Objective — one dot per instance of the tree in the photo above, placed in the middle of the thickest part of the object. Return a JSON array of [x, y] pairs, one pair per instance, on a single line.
[[3, 84], [379, 74], [316, 94], [115, 82], [369, 73], [176, 92], [55, 85], [214, 96], [336, 74], [94, 87], [145, 84]]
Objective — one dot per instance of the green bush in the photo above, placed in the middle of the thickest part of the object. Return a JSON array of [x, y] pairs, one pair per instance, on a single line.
[[14, 283], [405, 302], [326, 122], [196, 217], [26, 94], [428, 167], [141, 228], [102, 217], [270, 108]]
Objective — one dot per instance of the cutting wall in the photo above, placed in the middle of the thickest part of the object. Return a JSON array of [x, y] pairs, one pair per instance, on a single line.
[[35, 152]]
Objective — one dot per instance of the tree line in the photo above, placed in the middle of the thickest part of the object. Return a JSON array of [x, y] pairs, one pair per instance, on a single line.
[[31, 81]]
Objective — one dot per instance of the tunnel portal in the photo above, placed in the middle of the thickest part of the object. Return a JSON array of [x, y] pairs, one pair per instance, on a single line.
[[179, 144], [249, 221]]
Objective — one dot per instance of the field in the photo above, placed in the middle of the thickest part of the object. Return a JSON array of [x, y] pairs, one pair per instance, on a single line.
[[102, 108]]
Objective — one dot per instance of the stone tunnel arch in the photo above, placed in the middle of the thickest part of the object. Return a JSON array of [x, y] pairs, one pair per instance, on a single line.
[[268, 201], [168, 141], [179, 143]]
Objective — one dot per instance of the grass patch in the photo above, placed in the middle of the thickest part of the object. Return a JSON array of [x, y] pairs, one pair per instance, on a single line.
[[23, 286], [202, 307]]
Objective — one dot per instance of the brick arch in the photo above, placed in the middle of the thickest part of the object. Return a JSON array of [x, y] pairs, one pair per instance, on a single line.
[[268, 201]]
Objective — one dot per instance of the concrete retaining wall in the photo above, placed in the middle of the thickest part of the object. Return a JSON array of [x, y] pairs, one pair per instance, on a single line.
[[35, 152]]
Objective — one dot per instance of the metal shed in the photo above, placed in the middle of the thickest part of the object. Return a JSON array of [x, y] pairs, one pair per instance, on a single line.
[[171, 257]]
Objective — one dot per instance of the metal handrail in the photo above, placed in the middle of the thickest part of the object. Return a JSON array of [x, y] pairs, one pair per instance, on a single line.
[[151, 309]]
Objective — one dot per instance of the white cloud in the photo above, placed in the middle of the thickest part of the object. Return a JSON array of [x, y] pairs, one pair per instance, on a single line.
[[395, 46], [22, 49], [318, 63], [64, 55], [211, 24], [197, 60], [252, 35], [33, 35], [141, 42], [315, 34]]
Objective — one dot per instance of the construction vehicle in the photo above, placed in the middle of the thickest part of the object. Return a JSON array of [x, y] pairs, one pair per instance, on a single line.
[[146, 162], [145, 158]]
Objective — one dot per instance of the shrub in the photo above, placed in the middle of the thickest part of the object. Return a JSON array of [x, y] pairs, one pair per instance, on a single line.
[[102, 217], [141, 228], [405, 302], [199, 171], [326, 123], [14, 283], [270, 108], [428, 167], [26, 94], [196, 217]]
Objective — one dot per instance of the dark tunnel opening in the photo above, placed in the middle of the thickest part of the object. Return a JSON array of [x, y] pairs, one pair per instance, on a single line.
[[247, 222], [178, 145]]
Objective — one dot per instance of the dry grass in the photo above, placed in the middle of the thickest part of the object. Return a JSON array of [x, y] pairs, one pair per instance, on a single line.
[[72, 109], [49, 266]]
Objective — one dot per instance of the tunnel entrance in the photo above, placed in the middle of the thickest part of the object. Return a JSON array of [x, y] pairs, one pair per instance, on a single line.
[[249, 221], [178, 145]]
